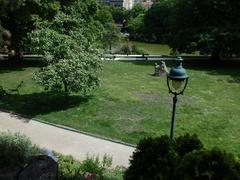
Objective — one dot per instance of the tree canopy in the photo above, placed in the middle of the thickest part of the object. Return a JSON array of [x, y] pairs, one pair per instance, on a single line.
[[208, 26], [69, 44], [18, 17]]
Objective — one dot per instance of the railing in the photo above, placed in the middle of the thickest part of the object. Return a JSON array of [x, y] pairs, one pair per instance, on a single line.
[[26, 56], [146, 57]]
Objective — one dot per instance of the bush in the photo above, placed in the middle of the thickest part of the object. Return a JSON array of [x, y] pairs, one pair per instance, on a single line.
[[15, 149], [186, 144], [68, 167], [184, 158], [72, 169], [208, 164], [129, 48], [154, 157]]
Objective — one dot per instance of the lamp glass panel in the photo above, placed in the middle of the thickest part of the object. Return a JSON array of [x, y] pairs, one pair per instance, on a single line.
[[176, 84]]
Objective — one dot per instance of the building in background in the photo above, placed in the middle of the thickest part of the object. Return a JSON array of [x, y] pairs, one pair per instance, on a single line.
[[147, 4], [104, 1], [128, 4], [137, 1], [118, 3]]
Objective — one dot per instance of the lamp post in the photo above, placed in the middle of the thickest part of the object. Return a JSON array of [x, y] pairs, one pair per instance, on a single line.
[[177, 80]]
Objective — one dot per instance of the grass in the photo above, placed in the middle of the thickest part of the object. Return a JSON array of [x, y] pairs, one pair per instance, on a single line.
[[159, 49], [151, 48], [131, 104]]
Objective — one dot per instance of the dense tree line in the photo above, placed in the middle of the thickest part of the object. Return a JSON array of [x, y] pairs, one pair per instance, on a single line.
[[19, 16], [208, 26]]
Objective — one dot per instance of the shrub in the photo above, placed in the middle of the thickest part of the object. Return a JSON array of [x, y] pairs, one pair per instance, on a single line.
[[137, 50], [94, 165], [184, 158], [208, 164], [129, 48], [68, 167], [186, 144], [72, 169], [153, 158], [15, 149]]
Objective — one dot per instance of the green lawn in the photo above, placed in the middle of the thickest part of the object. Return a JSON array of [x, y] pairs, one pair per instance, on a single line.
[[151, 48], [158, 49], [132, 104]]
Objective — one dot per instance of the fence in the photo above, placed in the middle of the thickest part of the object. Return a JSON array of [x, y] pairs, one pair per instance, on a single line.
[[146, 57]]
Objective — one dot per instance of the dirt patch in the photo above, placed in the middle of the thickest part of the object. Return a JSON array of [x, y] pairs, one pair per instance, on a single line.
[[134, 117], [151, 98]]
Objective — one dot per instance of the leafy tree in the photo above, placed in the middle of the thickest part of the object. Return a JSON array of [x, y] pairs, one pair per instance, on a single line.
[[135, 11], [118, 14], [104, 14], [68, 44], [111, 35], [208, 26], [18, 16], [136, 27], [157, 19]]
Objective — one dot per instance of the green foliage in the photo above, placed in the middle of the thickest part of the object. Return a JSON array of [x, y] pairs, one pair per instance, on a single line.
[[72, 169], [136, 27], [157, 20], [104, 14], [208, 164], [184, 158], [18, 17], [135, 11], [119, 14], [94, 165], [154, 158], [68, 44], [130, 48], [111, 35], [69, 168], [208, 26], [186, 144], [15, 149]]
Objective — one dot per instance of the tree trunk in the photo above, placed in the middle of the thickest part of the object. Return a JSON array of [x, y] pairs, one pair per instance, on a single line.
[[215, 54], [65, 90], [110, 48]]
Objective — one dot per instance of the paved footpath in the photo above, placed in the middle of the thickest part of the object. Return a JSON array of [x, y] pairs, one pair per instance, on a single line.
[[65, 141]]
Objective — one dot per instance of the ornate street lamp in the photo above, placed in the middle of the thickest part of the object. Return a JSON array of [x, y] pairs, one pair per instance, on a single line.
[[177, 80]]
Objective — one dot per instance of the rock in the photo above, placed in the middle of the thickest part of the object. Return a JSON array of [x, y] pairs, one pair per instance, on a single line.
[[40, 168]]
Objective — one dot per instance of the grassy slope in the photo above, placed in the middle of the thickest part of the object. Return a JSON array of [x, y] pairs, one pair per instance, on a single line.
[[131, 104]]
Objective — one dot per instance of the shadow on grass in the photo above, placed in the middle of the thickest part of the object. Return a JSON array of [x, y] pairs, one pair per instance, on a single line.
[[35, 104], [229, 67], [7, 65], [222, 67]]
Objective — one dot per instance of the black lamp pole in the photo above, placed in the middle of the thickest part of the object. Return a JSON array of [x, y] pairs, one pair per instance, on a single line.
[[173, 116], [177, 80]]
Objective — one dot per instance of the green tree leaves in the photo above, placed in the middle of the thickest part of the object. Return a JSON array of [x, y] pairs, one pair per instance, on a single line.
[[69, 44]]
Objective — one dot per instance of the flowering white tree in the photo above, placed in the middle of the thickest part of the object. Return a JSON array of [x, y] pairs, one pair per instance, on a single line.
[[70, 49]]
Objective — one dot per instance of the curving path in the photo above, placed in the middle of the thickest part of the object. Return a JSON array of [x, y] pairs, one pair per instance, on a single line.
[[65, 141]]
